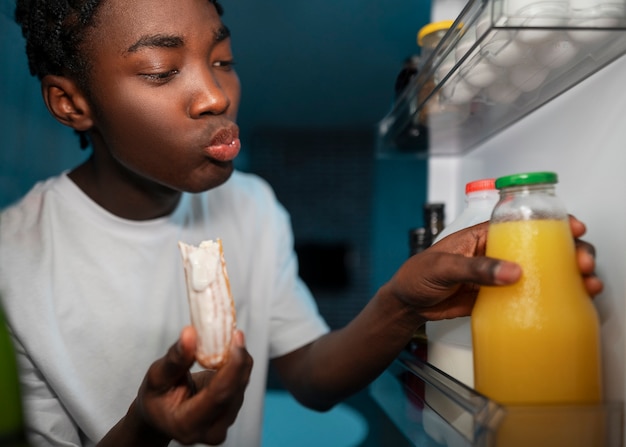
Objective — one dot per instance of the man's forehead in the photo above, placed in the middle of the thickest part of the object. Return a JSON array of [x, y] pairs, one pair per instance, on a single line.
[[129, 26]]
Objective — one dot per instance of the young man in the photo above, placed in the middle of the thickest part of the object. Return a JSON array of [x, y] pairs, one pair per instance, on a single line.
[[90, 272]]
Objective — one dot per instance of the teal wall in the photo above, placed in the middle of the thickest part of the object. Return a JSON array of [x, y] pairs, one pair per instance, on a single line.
[[32, 144], [399, 194]]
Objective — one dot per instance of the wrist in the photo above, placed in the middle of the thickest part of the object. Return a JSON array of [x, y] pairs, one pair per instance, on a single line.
[[405, 313]]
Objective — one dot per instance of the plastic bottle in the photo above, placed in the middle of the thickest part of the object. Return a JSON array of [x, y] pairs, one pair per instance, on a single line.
[[536, 341], [480, 198], [450, 341], [434, 219], [12, 432], [407, 74], [414, 138], [419, 240], [436, 111], [430, 35]]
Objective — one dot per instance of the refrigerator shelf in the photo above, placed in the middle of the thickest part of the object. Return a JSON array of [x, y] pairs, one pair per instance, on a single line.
[[492, 68], [432, 409]]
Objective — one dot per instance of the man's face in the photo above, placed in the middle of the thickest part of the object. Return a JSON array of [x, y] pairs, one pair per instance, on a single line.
[[164, 92]]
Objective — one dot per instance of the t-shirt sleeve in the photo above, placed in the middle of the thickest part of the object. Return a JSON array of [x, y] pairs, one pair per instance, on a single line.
[[295, 319]]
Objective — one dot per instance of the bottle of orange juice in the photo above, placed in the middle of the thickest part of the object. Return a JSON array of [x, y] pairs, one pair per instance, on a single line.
[[537, 341]]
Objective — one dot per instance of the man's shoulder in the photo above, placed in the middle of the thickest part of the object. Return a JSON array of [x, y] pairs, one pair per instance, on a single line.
[[27, 210]]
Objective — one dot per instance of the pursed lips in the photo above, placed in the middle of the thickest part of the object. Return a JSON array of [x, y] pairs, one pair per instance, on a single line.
[[224, 144]]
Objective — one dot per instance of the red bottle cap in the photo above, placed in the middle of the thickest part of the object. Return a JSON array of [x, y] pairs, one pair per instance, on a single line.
[[480, 185]]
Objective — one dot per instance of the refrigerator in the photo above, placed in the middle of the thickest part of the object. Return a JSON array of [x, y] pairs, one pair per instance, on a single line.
[[581, 135], [573, 123]]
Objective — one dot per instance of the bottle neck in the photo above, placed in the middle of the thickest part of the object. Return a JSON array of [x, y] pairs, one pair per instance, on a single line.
[[483, 198], [541, 188], [528, 202]]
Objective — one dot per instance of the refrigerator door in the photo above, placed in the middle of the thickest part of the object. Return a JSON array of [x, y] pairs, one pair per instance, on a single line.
[[581, 135]]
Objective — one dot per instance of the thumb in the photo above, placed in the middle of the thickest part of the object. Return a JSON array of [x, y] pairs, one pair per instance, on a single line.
[[450, 270], [506, 272], [174, 366], [483, 270]]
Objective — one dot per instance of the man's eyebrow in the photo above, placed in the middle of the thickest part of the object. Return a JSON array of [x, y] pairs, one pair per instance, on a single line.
[[171, 41], [156, 41], [222, 33]]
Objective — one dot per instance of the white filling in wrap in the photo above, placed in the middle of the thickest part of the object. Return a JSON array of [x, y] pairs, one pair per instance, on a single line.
[[210, 300]]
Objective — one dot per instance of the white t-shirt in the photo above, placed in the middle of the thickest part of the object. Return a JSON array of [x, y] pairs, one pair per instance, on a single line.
[[93, 299]]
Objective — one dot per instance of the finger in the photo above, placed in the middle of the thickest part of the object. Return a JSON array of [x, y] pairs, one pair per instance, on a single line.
[[506, 272], [174, 366], [593, 285], [236, 371], [230, 379], [432, 277], [460, 305], [469, 241], [219, 400], [585, 257], [577, 227], [456, 269]]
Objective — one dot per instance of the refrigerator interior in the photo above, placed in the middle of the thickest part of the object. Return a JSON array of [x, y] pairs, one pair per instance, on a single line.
[[581, 135]]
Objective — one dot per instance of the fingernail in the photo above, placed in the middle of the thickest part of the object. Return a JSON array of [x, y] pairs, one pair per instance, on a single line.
[[507, 273], [239, 339]]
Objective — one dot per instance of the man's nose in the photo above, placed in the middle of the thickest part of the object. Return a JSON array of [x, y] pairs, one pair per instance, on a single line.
[[208, 96]]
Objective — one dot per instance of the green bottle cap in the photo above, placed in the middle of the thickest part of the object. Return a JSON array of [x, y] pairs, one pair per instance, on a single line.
[[527, 178]]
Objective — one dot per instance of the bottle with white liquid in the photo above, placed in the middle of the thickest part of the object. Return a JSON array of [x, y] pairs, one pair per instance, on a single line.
[[450, 341], [480, 198]]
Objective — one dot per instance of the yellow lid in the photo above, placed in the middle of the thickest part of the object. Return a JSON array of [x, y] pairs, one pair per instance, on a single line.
[[433, 28]]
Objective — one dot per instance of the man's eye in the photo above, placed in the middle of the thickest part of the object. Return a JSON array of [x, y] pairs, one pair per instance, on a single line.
[[160, 77], [227, 64]]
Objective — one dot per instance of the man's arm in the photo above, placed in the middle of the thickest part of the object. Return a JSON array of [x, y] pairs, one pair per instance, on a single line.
[[439, 283]]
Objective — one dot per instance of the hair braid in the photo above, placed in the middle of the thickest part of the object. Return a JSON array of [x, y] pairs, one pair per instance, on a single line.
[[54, 31]]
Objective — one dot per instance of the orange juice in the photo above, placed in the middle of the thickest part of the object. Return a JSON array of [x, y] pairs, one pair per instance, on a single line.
[[537, 341]]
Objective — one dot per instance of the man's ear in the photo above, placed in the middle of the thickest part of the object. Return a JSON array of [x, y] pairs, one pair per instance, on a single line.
[[66, 102]]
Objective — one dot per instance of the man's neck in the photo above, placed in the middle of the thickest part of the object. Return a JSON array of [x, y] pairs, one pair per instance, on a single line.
[[123, 193]]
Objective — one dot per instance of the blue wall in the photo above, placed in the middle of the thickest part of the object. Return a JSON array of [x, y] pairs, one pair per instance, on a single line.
[[322, 63]]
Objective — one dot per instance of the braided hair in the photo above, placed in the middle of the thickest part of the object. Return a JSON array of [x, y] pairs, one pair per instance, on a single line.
[[55, 31]]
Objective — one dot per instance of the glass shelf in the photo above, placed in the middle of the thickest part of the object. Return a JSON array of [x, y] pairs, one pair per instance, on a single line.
[[433, 409], [492, 68]]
